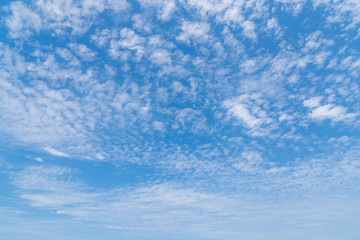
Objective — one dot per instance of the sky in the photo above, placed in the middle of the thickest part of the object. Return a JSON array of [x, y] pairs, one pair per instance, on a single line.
[[180, 119]]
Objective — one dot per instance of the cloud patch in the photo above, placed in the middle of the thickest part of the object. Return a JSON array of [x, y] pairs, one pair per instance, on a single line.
[[328, 111], [55, 152]]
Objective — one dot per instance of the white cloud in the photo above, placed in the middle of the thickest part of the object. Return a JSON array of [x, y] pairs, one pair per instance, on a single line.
[[197, 31], [38, 159], [141, 23], [23, 20], [129, 41], [249, 109], [313, 102], [48, 112], [101, 38], [233, 14], [294, 6], [56, 152], [99, 156], [242, 113], [254, 64], [85, 53], [249, 29], [190, 119], [118, 5], [327, 111], [161, 56], [40, 114], [273, 25], [209, 7], [64, 54], [160, 126], [250, 162], [285, 117], [165, 8], [343, 11], [57, 15], [330, 111], [168, 9]]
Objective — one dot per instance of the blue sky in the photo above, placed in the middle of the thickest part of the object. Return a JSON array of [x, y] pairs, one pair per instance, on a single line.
[[189, 119]]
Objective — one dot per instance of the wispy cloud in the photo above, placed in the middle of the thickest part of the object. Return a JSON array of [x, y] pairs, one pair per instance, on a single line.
[[56, 152], [174, 206]]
